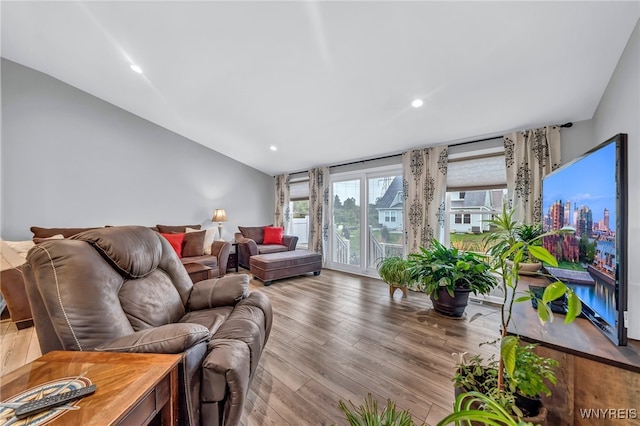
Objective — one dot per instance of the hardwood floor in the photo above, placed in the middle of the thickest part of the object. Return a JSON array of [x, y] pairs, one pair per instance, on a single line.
[[338, 336]]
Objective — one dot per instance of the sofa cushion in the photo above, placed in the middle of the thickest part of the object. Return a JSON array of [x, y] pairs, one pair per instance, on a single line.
[[176, 242], [167, 229], [209, 237], [193, 244], [50, 232], [271, 248], [256, 233], [206, 260], [273, 235]]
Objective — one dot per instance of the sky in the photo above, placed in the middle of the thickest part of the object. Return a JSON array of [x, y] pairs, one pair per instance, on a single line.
[[589, 181]]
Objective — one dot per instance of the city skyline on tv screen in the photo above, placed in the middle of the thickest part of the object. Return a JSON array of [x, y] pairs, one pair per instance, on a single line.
[[589, 182]]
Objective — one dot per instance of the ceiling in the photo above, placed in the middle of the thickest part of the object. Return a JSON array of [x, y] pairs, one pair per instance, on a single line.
[[328, 82]]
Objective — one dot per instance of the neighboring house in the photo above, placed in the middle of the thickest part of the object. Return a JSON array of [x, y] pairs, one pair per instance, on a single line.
[[389, 206], [471, 209]]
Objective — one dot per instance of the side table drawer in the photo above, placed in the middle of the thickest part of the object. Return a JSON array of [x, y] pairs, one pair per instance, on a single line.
[[149, 406]]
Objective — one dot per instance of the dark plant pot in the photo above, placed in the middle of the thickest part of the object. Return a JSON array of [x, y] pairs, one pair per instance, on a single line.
[[539, 419], [530, 406], [451, 306]]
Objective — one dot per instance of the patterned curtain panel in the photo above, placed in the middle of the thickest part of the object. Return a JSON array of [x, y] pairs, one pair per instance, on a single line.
[[530, 155], [319, 211], [425, 185], [282, 215]]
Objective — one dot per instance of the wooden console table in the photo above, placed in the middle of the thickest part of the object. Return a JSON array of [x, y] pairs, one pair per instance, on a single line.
[[132, 389], [594, 374]]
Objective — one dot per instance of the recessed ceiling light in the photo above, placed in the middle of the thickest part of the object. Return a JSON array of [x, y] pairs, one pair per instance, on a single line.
[[417, 103], [136, 68], [273, 148]]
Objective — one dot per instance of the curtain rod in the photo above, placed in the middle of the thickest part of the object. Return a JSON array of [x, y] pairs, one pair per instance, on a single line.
[[565, 125]]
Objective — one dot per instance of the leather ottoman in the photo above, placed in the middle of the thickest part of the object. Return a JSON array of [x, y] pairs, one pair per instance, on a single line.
[[273, 266]]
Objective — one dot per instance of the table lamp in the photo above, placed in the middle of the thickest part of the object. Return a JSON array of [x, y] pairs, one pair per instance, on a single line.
[[219, 215]]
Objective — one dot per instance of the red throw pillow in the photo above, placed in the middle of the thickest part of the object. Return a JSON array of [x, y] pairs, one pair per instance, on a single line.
[[273, 235], [176, 242]]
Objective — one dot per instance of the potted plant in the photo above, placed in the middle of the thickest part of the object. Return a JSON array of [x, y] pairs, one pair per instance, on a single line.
[[522, 390], [530, 235], [480, 408], [448, 275], [394, 271], [512, 373], [368, 414]]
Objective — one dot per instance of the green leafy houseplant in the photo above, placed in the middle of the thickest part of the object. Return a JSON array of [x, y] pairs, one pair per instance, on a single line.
[[519, 370], [394, 270], [450, 269], [529, 379], [448, 275], [530, 235], [369, 414], [478, 407]]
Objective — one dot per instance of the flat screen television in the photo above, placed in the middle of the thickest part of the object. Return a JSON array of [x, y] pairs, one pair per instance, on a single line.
[[587, 199]]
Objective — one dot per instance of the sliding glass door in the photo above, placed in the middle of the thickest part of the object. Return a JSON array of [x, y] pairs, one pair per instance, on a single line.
[[346, 222], [366, 211]]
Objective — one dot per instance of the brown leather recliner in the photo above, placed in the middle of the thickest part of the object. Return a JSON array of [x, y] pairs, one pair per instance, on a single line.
[[124, 289]]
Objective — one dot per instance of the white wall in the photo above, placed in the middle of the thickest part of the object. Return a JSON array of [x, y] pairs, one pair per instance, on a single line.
[[70, 159], [619, 112]]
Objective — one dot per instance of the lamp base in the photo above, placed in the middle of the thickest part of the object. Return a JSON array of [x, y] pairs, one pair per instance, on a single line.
[[220, 232]]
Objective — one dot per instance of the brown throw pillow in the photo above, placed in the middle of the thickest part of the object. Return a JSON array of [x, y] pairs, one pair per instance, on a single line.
[[168, 229], [193, 244]]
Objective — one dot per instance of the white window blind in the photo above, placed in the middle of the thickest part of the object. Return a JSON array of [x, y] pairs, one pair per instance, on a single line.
[[299, 190], [478, 165]]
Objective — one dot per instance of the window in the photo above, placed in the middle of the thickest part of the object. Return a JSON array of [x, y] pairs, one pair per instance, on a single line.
[[299, 207], [476, 190]]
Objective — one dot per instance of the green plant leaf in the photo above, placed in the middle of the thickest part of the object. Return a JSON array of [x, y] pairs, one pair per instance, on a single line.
[[522, 299], [574, 307], [544, 312], [554, 291], [543, 255], [508, 353]]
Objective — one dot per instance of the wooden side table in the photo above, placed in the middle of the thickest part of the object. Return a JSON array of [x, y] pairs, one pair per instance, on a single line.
[[197, 272], [132, 389], [233, 257]]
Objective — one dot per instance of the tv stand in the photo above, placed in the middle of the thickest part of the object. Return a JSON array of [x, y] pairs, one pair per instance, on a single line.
[[594, 373]]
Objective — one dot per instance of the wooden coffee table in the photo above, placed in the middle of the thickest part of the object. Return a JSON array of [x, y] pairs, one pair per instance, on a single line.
[[132, 389]]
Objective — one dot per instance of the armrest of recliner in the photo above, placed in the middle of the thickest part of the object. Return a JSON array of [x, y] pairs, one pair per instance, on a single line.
[[221, 249], [224, 291], [168, 339], [290, 241]]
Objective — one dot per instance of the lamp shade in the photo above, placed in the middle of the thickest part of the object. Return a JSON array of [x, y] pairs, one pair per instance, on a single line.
[[219, 215]]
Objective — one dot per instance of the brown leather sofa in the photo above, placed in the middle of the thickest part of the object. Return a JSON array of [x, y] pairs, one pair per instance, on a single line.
[[250, 243], [124, 289]]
